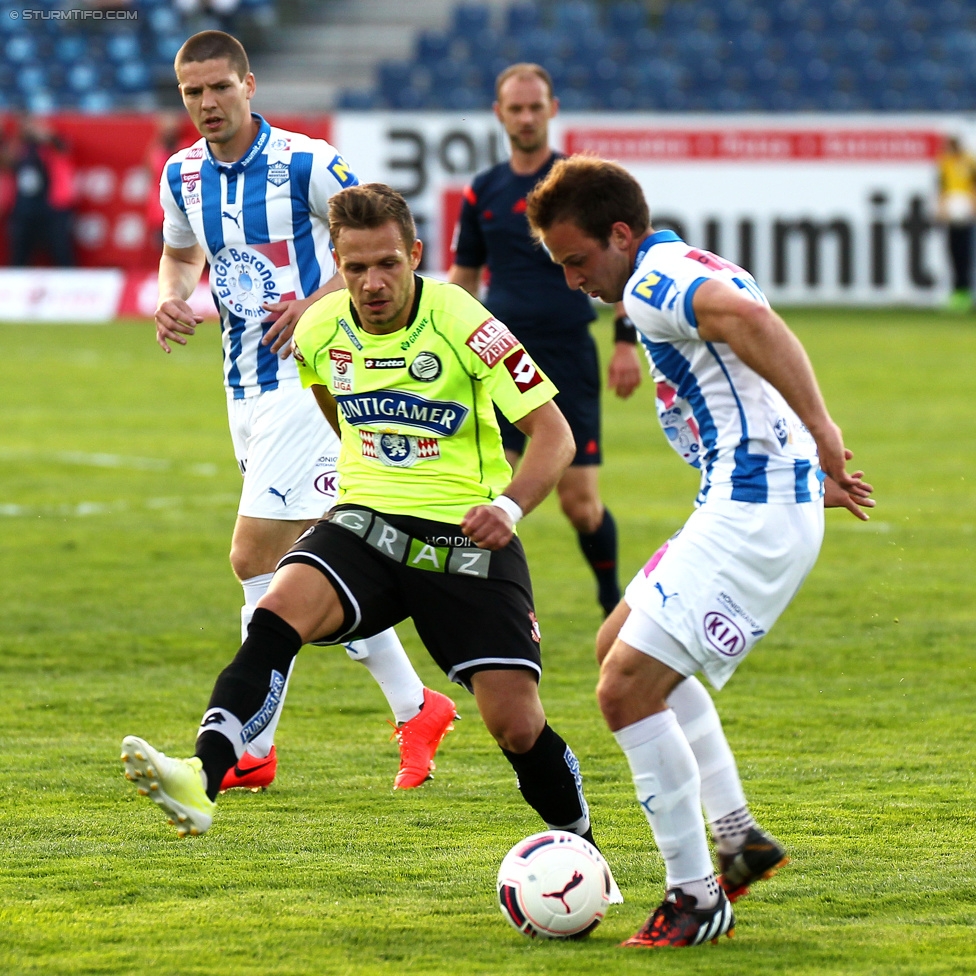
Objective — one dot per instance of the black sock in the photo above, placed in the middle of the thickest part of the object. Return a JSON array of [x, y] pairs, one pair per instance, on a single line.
[[246, 693], [600, 550], [550, 782]]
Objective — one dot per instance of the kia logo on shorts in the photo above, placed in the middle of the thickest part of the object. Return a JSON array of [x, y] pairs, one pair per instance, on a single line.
[[723, 635], [325, 484]]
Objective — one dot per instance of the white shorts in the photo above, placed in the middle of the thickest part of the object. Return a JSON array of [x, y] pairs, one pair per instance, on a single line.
[[721, 583], [287, 453]]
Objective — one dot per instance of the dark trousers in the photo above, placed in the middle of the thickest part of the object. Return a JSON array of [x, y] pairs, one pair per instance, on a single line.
[[37, 231], [961, 252]]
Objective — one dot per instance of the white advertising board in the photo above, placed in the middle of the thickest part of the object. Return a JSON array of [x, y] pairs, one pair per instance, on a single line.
[[823, 209], [59, 295]]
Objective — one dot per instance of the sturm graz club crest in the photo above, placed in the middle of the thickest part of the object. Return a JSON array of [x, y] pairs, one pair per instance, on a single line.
[[426, 367]]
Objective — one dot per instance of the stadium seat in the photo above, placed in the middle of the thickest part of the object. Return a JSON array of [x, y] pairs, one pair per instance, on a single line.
[[123, 46], [470, 19], [521, 17], [21, 48], [358, 99], [133, 76], [624, 19], [432, 46], [574, 16]]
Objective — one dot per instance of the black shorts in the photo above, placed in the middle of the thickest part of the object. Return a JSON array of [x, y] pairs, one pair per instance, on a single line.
[[576, 373], [472, 608]]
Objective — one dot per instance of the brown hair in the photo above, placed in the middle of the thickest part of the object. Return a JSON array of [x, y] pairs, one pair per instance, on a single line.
[[523, 68], [368, 206], [591, 193], [213, 45]]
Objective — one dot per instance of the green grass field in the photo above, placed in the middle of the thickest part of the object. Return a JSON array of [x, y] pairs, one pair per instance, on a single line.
[[853, 721]]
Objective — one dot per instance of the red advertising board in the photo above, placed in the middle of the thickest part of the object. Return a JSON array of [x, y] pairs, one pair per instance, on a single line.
[[116, 222]]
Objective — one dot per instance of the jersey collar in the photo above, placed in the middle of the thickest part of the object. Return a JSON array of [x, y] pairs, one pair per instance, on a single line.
[[658, 237], [260, 141]]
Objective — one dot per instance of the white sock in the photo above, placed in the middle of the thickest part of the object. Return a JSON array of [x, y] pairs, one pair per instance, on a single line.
[[386, 660], [260, 745], [668, 790], [254, 588], [721, 788]]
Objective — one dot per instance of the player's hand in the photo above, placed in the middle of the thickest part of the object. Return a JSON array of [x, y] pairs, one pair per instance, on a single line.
[[488, 527], [280, 333], [174, 320], [624, 374], [855, 499]]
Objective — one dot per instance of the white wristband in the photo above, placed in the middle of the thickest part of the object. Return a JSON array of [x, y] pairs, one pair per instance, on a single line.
[[509, 506]]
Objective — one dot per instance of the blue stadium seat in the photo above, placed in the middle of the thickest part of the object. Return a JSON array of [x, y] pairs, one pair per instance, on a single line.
[[470, 19], [40, 103], [70, 48], [521, 17], [575, 16], [31, 77], [624, 19], [432, 46], [83, 77], [123, 46], [358, 99], [21, 48], [97, 102], [464, 100], [133, 76]]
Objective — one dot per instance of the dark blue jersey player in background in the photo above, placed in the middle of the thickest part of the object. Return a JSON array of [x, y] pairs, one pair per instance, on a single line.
[[528, 292]]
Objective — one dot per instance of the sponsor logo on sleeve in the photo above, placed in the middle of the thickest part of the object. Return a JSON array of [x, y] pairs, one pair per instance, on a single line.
[[190, 181], [339, 168], [426, 367], [191, 200], [712, 261], [297, 353], [491, 340], [342, 370], [654, 288], [280, 144], [278, 173], [195, 153], [523, 370]]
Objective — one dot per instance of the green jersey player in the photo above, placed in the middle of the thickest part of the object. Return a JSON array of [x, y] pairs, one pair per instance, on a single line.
[[406, 370]]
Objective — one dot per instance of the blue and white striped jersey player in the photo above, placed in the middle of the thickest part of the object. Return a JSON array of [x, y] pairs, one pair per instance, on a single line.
[[734, 379], [252, 200]]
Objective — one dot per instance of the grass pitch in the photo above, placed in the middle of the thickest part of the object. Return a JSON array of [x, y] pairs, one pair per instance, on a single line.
[[853, 721]]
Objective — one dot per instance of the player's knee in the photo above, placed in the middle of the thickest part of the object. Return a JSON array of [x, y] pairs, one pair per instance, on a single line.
[[516, 733], [584, 511], [243, 563], [613, 691]]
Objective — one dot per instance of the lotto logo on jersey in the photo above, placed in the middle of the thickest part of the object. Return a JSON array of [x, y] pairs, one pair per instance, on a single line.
[[491, 340], [523, 370], [653, 288], [342, 370], [339, 168]]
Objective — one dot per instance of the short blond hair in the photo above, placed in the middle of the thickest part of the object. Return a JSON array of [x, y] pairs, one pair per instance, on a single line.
[[524, 69]]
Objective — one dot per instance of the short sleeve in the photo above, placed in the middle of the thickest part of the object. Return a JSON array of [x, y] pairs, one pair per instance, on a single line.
[[661, 305], [492, 354], [177, 231], [330, 174], [469, 247]]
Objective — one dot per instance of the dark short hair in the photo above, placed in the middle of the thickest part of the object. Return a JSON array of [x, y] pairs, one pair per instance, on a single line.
[[523, 68], [590, 192], [213, 45], [368, 206]]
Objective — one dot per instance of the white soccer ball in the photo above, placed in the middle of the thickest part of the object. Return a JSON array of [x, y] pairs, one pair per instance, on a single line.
[[553, 885]]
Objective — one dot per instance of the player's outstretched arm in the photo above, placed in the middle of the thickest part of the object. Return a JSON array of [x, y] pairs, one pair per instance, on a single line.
[[179, 271], [549, 450], [761, 339], [283, 327]]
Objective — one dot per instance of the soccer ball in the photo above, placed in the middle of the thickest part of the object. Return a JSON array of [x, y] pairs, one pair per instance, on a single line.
[[553, 885]]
